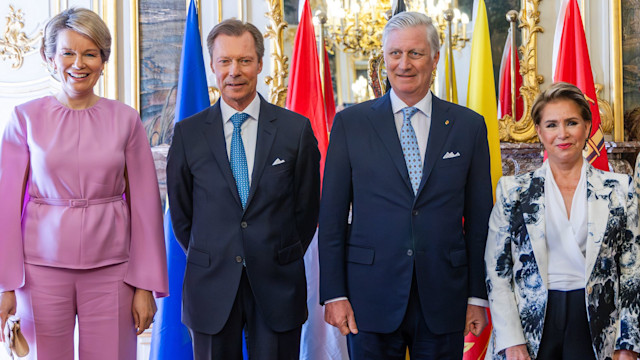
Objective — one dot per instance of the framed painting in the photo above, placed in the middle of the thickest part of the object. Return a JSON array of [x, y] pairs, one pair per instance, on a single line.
[[159, 26], [630, 14], [498, 30]]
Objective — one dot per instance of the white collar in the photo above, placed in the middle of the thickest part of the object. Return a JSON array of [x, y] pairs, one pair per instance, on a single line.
[[423, 105], [253, 109]]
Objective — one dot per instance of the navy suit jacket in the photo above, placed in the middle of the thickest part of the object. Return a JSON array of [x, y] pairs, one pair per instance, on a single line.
[[270, 236], [394, 233]]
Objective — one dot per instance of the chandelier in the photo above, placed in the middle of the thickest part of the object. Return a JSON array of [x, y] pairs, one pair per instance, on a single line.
[[355, 26]]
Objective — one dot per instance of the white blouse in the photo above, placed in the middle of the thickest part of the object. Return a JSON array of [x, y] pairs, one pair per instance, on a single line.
[[566, 238]]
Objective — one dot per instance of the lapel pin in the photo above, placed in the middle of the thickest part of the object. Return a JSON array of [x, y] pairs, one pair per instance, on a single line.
[[446, 122]]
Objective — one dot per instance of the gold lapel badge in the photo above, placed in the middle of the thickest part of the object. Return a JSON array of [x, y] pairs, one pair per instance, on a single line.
[[446, 122]]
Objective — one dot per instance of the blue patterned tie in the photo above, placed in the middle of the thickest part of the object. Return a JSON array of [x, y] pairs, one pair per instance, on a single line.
[[410, 148], [238, 158]]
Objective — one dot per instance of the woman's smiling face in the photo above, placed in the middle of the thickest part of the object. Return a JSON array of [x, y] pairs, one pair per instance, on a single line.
[[78, 62]]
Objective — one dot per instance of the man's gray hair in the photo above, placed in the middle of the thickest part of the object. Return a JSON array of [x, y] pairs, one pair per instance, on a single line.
[[409, 19]]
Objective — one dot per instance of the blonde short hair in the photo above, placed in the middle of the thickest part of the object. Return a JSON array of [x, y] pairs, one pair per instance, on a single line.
[[84, 22], [409, 19], [560, 91]]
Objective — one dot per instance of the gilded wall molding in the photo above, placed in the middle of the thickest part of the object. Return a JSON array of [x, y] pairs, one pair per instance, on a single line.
[[617, 91], [280, 68], [110, 78], [376, 64], [606, 111], [214, 94], [134, 36], [15, 44], [524, 129]]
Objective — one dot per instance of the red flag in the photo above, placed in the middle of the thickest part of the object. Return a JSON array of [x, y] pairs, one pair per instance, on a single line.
[[329, 102], [304, 95], [572, 65], [504, 101]]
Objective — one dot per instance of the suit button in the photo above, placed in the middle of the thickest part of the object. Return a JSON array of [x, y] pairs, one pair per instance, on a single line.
[[238, 259], [244, 225], [410, 252], [415, 212]]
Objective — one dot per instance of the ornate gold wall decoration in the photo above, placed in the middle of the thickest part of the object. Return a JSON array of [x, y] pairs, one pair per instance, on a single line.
[[524, 130], [15, 44], [280, 68], [606, 111], [376, 78], [214, 94]]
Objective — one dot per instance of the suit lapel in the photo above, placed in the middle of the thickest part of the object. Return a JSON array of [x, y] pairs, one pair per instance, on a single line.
[[598, 202], [438, 133], [533, 212], [214, 135], [383, 122], [266, 135]]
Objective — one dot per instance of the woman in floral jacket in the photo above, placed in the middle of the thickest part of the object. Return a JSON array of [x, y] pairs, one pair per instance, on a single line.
[[563, 252]]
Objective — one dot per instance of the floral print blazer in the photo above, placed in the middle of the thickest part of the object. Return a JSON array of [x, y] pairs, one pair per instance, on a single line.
[[516, 263]]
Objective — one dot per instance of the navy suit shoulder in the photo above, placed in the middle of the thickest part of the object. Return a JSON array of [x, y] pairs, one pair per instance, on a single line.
[[198, 118], [376, 106], [286, 113], [461, 113]]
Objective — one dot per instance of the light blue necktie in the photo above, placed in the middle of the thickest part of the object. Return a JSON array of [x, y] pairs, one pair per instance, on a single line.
[[410, 148], [238, 158]]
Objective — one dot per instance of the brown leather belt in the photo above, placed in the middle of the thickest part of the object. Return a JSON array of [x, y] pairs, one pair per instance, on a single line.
[[76, 203]]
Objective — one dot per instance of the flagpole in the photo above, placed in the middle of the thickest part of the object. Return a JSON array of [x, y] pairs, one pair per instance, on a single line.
[[322, 20], [448, 16], [512, 16]]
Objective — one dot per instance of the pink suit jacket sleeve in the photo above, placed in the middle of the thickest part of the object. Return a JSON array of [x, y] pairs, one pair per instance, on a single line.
[[14, 159], [147, 257]]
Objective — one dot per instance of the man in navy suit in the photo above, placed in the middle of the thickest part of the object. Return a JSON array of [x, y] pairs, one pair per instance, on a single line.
[[407, 271], [244, 190]]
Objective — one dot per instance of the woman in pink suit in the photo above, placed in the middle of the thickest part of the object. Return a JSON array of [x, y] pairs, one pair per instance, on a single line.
[[88, 241]]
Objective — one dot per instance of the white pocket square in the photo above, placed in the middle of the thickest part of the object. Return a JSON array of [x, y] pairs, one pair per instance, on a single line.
[[277, 161], [450, 155]]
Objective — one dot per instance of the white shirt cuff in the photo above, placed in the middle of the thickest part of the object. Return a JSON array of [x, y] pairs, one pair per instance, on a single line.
[[478, 302], [339, 299]]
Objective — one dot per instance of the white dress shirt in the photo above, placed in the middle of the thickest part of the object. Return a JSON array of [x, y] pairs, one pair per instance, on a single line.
[[248, 129], [421, 120], [566, 237]]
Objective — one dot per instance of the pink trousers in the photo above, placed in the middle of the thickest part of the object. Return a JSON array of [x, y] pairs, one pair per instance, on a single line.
[[51, 299]]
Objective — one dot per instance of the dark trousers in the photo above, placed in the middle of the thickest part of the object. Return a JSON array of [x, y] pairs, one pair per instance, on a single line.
[[262, 342], [413, 334], [566, 334]]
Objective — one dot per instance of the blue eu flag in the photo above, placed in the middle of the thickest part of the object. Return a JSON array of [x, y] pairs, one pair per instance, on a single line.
[[170, 339]]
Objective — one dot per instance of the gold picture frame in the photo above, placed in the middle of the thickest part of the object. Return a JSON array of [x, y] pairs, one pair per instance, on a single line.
[[617, 91]]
